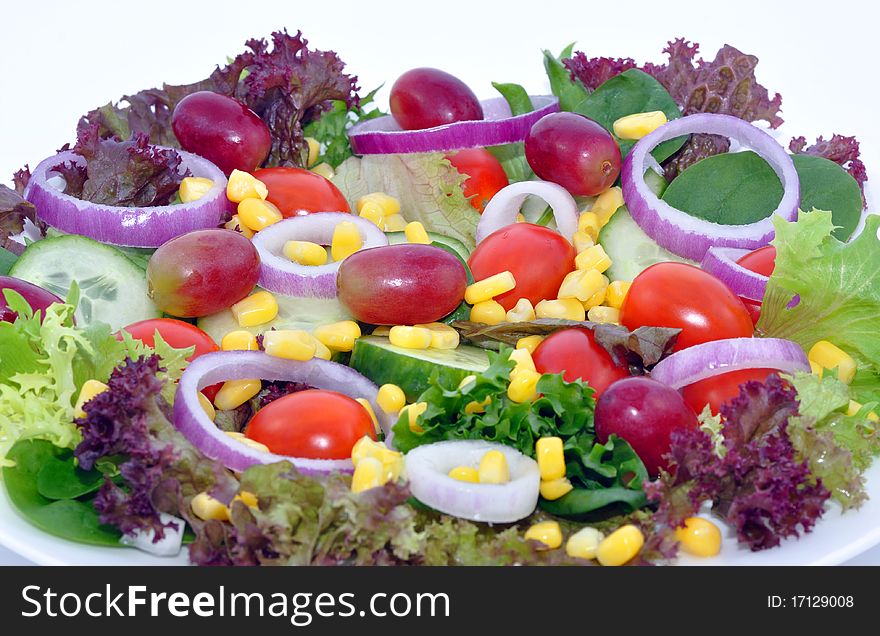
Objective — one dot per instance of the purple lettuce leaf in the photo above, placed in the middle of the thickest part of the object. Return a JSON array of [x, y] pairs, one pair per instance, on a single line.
[[14, 210]]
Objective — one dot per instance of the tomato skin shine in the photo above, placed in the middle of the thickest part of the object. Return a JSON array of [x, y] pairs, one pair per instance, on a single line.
[[312, 424], [485, 176], [576, 354], [297, 192]]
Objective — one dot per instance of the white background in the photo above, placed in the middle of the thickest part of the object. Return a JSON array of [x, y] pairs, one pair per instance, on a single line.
[[60, 59]]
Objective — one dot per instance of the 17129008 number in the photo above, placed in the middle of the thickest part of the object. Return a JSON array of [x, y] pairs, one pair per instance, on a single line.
[[804, 600]]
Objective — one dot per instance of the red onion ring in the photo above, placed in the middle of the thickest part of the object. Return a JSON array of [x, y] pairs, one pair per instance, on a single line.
[[281, 275], [502, 209], [382, 136], [689, 236], [211, 368], [722, 263], [126, 226], [427, 469], [709, 359]]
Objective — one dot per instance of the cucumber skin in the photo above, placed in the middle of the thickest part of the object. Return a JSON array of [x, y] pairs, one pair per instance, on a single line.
[[395, 238]]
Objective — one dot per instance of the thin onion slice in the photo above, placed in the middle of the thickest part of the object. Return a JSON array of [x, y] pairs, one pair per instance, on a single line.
[[427, 468], [211, 368], [281, 275], [502, 209], [722, 263], [709, 359], [382, 136], [688, 236], [126, 226]]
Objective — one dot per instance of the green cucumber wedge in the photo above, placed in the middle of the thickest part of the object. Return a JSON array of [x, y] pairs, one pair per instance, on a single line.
[[411, 369], [445, 241]]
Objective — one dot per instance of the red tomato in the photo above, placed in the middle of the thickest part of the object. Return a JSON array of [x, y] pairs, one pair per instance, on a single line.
[[485, 176], [717, 390], [688, 298], [576, 354], [761, 261], [298, 192], [538, 257], [314, 424], [178, 334]]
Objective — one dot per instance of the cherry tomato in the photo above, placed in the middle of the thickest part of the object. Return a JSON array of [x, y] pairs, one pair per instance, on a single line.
[[298, 192], [576, 354], [719, 389], [315, 424], [178, 334], [688, 298], [485, 175], [761, 261], [538, 257]]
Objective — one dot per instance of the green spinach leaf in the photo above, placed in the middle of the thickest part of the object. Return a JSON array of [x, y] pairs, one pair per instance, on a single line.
[[61, 478], [7, 258], [516, 96], [827, 186], [569, 91]]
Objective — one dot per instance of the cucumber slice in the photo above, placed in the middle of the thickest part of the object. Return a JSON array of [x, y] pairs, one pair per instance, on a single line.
[[410, 369], [630, 249], [454, 244], [112, 288], [293, 313]]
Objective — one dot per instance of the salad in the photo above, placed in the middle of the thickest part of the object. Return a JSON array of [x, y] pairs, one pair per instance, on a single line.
[[257, 319]]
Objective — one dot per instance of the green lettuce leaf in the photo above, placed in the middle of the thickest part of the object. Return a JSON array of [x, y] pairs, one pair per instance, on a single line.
[[331, 128]]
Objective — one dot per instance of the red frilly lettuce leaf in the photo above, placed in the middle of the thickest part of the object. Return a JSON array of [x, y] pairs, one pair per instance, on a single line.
[[14, 210]]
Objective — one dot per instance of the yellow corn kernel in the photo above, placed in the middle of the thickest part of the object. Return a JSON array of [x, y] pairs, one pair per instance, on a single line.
[[235, 225], [598, 298], [522, 311], [392, 461], [620, 546], [550, 458], [194, 188], [234, 393], [582, 284], [520, 217], [395, 223], [321, 350], [522, 387], [386, 203], [616, 293], [829, 356], [604, 315], [593, 258], [346, 241], [854, 407], [588, 223], [489, 288], [415, 233], [493, 468], [243, 185], [565, 308], [413, 412], [638, 125], [529, 343], [582, 241], [699, 537], [410, 337], [256, 309], [442, 335], [584, 543], [314, 151], [815, 369], [477, 407], [207, 407], [390, 398], [205, 507], [239, 340], [305, 253], [372, 212], [382, 331], [607, 204], [90, 389], [364, 402], [465, 473], [257, 214], [523, 360], [290, 344], [369, 473], [556, 488], [547, 533], [325, 170], [249, 499], [338, 336], [488, 312], [247, 441]]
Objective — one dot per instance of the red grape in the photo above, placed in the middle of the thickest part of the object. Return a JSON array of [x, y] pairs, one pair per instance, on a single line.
[[644, 412], [202, 272], [37, 297], [222, 130], [575, 152], [402, 284], [428, 97]]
